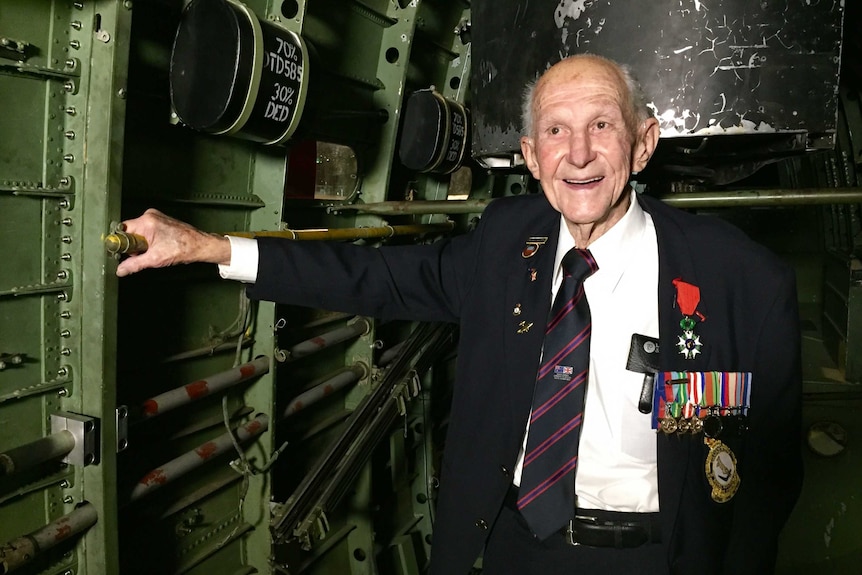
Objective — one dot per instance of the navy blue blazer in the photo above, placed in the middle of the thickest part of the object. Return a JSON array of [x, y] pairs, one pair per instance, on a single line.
[[748, 298]]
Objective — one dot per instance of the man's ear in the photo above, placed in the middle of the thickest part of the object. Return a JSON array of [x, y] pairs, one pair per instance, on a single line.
[[645, 145], [529, 152]]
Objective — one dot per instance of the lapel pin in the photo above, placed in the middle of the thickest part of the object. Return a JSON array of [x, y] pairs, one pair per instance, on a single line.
[[533, 245], [533, 274], [524, 327], [517, 310]]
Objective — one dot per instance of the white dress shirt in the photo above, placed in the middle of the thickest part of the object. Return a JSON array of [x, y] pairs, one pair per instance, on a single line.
[[617, 453]]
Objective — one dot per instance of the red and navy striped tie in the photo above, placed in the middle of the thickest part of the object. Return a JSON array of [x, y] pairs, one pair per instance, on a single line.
[[546, 496]]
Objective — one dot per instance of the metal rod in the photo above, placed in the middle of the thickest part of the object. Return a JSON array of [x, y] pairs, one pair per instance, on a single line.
[[390, 354], [121, 242], [350, 233], [26, 548], [201, 388], [764, 198], [125, 243], [418, 207], [176, 468], [340, 379], [55, 446], [353, 329]]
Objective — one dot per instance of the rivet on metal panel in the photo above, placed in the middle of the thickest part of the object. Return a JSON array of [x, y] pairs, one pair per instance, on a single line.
[[64, 204], [66, 221], [121, 93], [65, 484], [68, 500], [62, 296], [78, 5], [65, 333], [74, 44], [63, 372], [70, 135], [66, 239], [66, 351], [66, 257], [127, 4], [71, 110], [62, 274], [77, 25], [69, 158]]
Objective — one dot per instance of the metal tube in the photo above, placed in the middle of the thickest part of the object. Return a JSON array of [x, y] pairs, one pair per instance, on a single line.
[[764, 198], [124, 243], [176, 468], [340, 379], [390, 354], [120, 242], [186, 394], [24, 549], [350, 233], [55, 446], [353, 329], [418, 207]]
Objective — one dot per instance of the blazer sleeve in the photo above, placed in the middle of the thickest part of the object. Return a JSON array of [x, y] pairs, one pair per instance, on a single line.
[[771, 464], [417, 282]]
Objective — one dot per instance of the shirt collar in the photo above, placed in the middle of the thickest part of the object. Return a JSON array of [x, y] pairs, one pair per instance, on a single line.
[[611, 251]]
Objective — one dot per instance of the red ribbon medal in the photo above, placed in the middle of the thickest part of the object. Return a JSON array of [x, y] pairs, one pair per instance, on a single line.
[[687, 298]]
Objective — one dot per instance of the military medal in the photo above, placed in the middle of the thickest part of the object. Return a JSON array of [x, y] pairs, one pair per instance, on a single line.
[[721, 471], [714, 403], [687, 297]]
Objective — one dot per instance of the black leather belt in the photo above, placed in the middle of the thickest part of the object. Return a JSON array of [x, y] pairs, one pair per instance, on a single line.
[[599, 528]]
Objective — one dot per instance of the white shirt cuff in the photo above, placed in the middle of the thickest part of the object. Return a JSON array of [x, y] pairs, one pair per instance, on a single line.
[[243, 260]]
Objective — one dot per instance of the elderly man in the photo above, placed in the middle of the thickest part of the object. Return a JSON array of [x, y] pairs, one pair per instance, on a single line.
[[561, 472]]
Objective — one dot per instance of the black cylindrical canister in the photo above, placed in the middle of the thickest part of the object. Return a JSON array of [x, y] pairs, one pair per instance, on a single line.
[[233, 74], [434, 133]]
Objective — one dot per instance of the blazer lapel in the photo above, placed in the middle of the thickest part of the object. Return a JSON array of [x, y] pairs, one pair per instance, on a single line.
[[528, 302]]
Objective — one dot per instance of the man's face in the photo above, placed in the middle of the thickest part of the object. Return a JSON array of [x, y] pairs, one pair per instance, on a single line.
[[580, 150]]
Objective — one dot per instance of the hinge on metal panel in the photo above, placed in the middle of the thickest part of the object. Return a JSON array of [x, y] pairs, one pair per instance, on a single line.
[[85, 430]]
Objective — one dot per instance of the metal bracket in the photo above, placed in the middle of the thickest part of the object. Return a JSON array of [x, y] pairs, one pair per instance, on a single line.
[[85, 429], [122, 422], [11, 359], [406, 390]]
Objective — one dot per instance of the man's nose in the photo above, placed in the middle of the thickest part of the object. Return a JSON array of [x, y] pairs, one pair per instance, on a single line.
[[581, 150]]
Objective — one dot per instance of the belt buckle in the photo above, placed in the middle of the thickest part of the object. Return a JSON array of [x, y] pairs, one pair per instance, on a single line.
[[570, 529], [570, 534]]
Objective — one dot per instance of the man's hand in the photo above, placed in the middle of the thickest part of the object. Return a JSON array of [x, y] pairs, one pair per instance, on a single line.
[[171, 242]]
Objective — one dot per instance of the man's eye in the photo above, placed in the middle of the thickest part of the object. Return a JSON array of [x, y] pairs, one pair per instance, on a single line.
[[601, 125], [554, 131]]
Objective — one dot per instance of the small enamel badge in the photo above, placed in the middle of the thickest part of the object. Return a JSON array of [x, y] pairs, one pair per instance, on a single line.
[[687, 298], [533, 274], [533, 245], [524, 327]]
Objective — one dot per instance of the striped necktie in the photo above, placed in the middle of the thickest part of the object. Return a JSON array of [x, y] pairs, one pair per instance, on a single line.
[[547, 492]]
